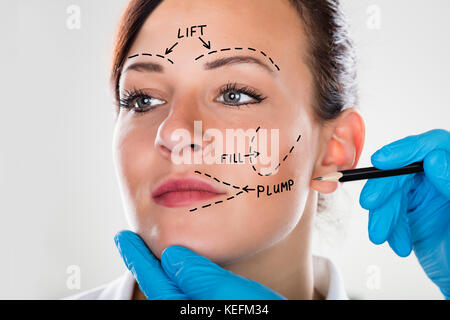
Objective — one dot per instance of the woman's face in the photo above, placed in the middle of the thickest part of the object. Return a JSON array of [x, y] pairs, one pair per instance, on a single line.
[[186, 89]]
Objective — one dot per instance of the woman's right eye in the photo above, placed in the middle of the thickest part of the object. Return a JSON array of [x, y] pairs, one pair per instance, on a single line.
[[139, 101], [146, 102]]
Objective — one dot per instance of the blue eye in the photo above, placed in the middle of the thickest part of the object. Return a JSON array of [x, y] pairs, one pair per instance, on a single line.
[[139, 101], [234, 96], [146, 102]]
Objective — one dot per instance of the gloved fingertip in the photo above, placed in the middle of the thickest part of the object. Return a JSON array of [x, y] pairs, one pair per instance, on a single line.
[[367, 199], [175, 252], [376, 238], [400, 239], [126, 238], [401, 248], [124, 235], [382, 157], [406, 251], [376, 192], [437, 169], [436, 163], [173, 256], [120, 243], [130, 246], [381, 154], [376, 234], [118, 238], [371, 196]]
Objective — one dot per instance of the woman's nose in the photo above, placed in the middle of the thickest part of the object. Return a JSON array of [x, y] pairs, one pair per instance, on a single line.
[[178, 133]]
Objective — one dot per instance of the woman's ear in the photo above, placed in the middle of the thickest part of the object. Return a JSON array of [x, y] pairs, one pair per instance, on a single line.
[[344, 144]]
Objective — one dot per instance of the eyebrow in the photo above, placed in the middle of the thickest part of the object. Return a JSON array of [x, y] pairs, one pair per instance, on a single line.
[[145, 66], [236, 60], [156, 67]]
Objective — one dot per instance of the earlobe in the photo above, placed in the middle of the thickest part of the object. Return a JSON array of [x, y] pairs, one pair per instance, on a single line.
[[343, 149]]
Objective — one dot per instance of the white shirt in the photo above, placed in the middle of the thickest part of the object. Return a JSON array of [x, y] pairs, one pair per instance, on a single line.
[[327, 281]]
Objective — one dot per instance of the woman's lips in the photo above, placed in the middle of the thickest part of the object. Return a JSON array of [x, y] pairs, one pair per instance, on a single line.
[[184, 192]]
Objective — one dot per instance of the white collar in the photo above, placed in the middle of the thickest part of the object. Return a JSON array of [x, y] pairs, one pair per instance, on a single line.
[[327, 281]]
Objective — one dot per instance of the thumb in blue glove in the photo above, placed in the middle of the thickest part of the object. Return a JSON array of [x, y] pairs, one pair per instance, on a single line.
[[146, 268], [184, 274]]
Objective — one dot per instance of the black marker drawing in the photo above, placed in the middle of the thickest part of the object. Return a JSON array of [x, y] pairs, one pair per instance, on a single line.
[[240, 48], [260, 189]]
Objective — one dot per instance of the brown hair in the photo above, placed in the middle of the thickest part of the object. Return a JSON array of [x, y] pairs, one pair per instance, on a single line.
[[330, 57]]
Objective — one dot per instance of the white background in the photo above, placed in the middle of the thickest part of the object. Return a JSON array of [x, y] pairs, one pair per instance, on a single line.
[[60, 204]]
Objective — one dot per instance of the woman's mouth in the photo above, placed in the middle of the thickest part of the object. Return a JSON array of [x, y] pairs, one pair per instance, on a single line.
[[184, 192]]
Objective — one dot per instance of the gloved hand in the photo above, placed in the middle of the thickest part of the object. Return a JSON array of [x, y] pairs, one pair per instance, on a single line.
[[412, 212], [182, 274]]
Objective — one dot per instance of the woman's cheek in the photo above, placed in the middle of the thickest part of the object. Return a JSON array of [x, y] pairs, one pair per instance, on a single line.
[[133, 160], [273, 215], [267, 215], [296, 156]]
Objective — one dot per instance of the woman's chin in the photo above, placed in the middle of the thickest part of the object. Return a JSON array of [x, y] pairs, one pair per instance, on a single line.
[[207, 245]]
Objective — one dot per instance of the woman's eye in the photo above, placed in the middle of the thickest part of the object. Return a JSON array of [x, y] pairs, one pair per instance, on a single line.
[[146, 102], [234, 97]]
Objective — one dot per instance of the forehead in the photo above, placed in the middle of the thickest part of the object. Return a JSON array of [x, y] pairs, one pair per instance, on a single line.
[[271, 26]]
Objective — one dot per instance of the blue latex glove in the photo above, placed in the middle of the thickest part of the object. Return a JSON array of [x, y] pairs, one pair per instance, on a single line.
[[412, 212], [182, 274]]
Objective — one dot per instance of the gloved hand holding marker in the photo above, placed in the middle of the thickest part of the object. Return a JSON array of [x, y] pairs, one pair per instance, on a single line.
[[410, 211], [409, 208]]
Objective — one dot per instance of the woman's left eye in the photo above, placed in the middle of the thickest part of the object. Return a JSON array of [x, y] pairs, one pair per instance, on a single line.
[[234, 97]]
